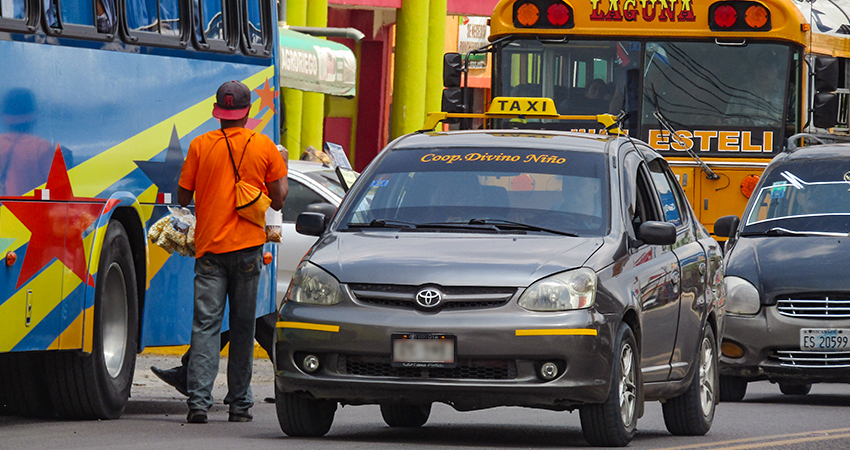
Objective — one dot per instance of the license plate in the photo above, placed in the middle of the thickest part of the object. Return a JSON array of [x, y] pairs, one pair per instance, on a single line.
[[824, 339], [423, 350]]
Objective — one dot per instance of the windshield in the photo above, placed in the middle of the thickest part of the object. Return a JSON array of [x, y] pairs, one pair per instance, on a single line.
[[721, 98], [805, 197], [511, 190]]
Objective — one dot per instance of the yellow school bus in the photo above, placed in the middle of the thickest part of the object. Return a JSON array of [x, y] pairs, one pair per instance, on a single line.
[[717, 87]]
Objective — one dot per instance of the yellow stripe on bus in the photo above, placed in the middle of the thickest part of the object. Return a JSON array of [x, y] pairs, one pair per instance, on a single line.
[[309, 326], [557, 332]]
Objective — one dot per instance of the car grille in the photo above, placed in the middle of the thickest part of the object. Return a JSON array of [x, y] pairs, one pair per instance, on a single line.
[[401, 296], [812, 360], [815, 306], [466, 369]]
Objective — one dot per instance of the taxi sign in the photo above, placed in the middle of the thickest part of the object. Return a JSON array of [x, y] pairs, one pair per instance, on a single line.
[[534, 106]]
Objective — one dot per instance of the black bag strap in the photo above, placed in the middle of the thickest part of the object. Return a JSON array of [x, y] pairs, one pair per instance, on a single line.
[[230, 152]]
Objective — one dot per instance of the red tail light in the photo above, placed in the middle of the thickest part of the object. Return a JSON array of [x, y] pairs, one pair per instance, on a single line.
[[738, 16]]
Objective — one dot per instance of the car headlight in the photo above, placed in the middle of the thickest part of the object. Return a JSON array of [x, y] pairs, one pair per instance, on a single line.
[[741, 296], [575, 289], [310, 284]]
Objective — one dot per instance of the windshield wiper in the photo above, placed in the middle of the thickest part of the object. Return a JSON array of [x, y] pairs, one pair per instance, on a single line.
[[382, 223], [779, 231], [502, 224]]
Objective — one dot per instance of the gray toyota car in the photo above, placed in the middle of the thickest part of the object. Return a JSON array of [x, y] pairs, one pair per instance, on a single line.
[[551, 270]]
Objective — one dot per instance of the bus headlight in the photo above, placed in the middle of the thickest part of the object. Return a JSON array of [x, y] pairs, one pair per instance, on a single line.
[[310, 284], [741, 296], [575, 289]]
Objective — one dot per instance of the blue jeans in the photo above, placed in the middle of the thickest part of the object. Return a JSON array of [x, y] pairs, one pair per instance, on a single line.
[[234, 275]]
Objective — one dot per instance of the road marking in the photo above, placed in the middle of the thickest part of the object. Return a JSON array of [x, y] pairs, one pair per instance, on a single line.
[[765, 441]]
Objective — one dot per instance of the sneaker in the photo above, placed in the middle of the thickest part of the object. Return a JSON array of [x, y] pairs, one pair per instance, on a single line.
[[240, 416], [196, 416], [175, 377]]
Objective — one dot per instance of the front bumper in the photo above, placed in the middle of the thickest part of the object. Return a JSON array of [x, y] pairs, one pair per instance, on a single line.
[[499, 352], [771, 344]]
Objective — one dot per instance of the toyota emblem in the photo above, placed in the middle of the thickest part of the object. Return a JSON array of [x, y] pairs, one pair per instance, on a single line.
[[429, 298]]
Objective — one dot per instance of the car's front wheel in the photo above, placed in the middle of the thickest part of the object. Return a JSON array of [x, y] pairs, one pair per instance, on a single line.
[[303, 417], [405, 416], [732, 389], [613, 423], [795, 389], [692, 413]]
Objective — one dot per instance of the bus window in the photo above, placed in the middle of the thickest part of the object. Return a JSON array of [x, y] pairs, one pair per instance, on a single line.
[[100, 13], [12, 9], [212, 19], [254, 31], [162, 16]]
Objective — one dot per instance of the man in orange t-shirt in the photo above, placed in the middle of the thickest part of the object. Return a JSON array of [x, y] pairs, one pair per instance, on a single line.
[[228, 248]]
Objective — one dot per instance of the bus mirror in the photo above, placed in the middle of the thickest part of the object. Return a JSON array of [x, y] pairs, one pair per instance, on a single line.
[[453, 102], [452, 68], [826, 74], [825, 110]]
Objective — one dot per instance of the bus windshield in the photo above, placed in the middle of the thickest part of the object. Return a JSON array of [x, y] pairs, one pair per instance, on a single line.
[[730, 98]]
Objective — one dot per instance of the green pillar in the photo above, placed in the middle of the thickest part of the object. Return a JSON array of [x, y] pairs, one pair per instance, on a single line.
[[313, 113], [411, 39], [436, 48], [293, 100]]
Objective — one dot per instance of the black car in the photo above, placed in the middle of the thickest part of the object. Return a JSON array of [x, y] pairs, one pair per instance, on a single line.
[[486, 268], [786, 276]]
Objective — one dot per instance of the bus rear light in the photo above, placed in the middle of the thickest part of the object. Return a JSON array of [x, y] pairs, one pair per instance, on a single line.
[[528, 14], [543, 14], [725, 16], [756, 16], [738, 16], [558, 14]]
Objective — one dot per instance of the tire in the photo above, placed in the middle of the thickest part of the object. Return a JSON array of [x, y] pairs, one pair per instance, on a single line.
[[23, 390], [613, 423], [303, 417], [795, 389], [97, 385], [692, 413], [732, 389], [405, 416]]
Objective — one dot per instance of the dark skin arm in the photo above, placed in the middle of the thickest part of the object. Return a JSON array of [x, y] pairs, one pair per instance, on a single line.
[[278, 190], [184, 196]]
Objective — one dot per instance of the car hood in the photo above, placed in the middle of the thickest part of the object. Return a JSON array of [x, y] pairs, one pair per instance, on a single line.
[[457, 259], [792, 264]]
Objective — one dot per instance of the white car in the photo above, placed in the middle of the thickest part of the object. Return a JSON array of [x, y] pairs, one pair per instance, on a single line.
[[309, 183]]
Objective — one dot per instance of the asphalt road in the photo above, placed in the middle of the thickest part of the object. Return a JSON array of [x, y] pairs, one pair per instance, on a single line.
[[156, 414]]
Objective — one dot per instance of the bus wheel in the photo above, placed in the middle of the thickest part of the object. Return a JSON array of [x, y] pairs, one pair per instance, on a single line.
[[97, 385], [22, 386]]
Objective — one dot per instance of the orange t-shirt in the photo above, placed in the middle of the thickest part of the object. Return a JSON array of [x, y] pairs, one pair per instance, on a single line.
[[209, 172]]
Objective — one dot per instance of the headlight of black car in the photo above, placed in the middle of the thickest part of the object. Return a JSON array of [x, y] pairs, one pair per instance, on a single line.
[[741, 296], [310, 284], [575, 289]]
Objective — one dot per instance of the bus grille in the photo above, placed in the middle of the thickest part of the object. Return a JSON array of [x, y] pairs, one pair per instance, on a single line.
[[815, 306], [466, 369], [401, 296], [811, 360]]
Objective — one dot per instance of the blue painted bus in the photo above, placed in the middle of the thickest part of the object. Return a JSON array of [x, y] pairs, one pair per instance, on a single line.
[[99, 100]]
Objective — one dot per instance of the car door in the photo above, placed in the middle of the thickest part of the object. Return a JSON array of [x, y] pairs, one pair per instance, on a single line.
[[655, 270], [692, 268]]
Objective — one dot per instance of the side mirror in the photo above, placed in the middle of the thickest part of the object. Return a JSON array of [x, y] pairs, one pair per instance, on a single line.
[[826, 74], [310, 223], [825, 110], [657, 233], [452, 69], [726, 226]]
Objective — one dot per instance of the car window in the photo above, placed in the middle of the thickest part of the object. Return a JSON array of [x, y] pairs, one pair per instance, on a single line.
[[646, 208], [566, 191], [298, 199], [328, 179], [671, 202]]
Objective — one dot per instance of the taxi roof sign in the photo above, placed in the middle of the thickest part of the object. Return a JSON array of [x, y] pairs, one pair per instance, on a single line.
[[532, 106]]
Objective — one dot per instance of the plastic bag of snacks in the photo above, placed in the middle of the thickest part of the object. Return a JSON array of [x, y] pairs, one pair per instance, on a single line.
[[175, 232], [273, 221]]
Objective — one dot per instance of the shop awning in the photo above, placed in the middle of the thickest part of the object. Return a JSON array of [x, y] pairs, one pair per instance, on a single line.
[[316, 65]]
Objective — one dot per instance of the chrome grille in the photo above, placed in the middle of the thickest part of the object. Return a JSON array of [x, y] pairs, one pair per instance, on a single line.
[[811, 360], [454, 297], [815, 306], [466, 369]]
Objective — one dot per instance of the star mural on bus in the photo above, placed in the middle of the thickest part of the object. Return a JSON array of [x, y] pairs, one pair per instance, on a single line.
[[267, 96], [166, 174], [57, 225]]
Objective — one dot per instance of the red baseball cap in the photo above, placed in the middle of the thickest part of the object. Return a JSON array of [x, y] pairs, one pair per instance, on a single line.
[[232, 101]]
